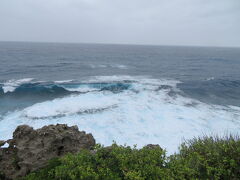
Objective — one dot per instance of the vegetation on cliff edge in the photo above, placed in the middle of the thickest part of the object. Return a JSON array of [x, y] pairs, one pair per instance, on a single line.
[[199, 158]]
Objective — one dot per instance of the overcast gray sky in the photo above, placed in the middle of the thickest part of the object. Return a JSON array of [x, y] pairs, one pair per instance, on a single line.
[[163, 22]]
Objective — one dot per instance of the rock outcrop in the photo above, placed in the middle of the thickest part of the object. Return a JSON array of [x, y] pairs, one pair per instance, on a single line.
[[30, 149]]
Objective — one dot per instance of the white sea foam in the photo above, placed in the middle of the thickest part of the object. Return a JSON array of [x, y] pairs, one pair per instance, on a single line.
[[12, 84], [141, 115], [98, 66], [69, 105], [119, 66], [81, 88], [64, 81], [6, 145], [210, 78], [140, 79]]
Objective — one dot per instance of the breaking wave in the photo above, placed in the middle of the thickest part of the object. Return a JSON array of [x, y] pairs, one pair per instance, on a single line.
[[131, 110]]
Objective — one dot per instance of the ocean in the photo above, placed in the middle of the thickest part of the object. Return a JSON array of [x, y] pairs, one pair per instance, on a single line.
[[130, 94]]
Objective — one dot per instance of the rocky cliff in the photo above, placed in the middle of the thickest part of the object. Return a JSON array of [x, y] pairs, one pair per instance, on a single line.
[[31, 149]]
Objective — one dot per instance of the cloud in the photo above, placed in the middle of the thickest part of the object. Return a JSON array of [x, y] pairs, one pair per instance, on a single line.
[[175, 22]]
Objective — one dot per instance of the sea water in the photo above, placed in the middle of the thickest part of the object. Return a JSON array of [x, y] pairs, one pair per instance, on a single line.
[[124, 93]]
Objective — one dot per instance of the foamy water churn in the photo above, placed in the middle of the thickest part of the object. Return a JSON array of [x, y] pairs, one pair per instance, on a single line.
[[128, 110]]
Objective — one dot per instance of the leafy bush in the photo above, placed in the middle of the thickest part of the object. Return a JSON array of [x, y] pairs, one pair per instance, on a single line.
[[207, 158], [200, 158], [115, 162]]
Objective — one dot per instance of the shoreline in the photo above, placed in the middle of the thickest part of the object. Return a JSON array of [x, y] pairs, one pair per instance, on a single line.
[[30, 152]]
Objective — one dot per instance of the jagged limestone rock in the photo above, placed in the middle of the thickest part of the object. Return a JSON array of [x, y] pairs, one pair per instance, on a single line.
[[31, 149]]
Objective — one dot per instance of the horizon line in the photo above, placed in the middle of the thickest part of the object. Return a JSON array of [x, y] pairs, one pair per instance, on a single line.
[[123, 44]]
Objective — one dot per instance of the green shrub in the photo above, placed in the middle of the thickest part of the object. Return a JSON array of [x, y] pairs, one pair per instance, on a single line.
[[46, 173], [200, 158], [115, 162], [207, 158]]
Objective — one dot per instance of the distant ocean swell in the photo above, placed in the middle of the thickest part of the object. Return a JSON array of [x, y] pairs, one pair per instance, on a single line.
[[126, 109]]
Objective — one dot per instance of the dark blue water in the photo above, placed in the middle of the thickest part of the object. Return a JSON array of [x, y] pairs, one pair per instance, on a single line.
[[207, 73], [204, 76], [47, 61]]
